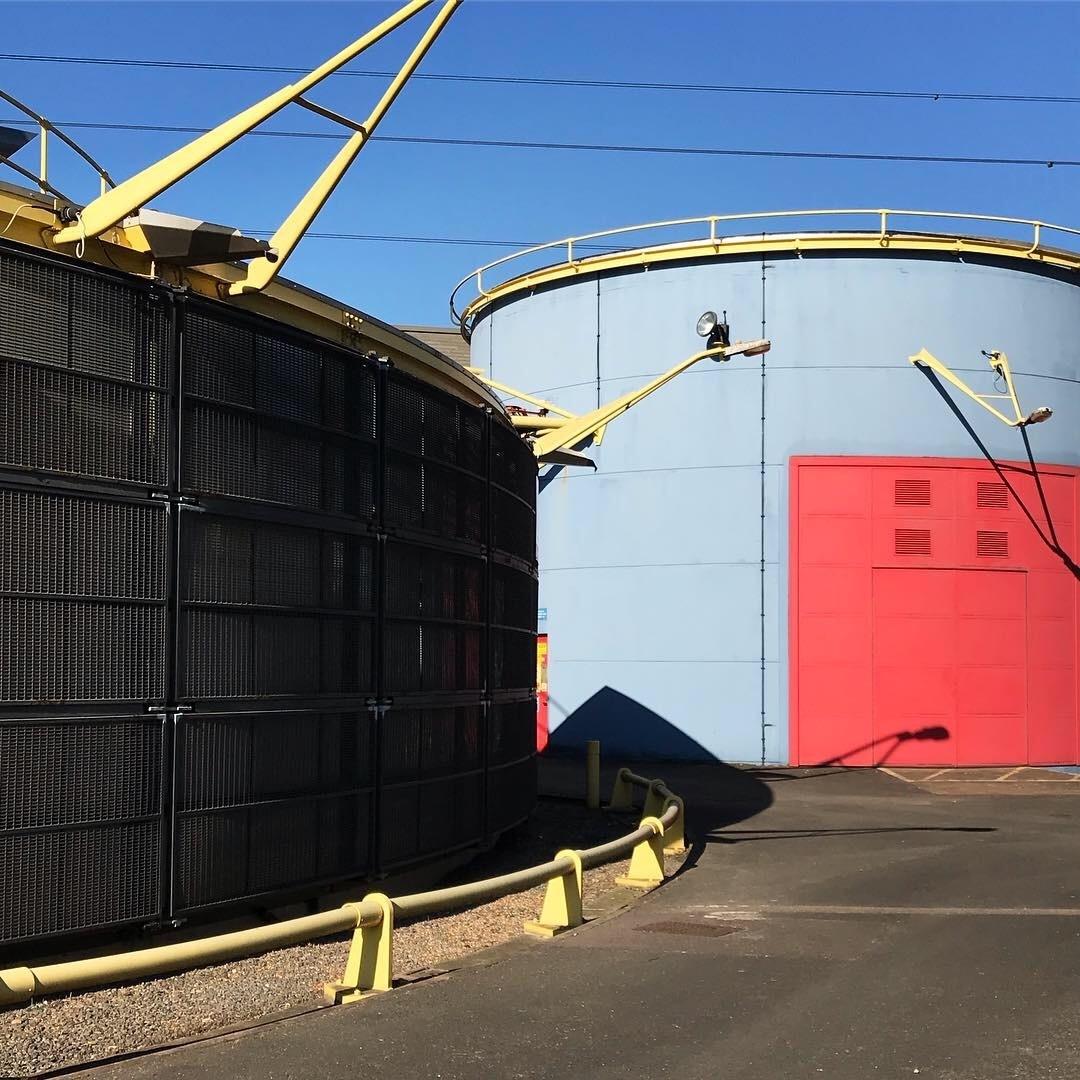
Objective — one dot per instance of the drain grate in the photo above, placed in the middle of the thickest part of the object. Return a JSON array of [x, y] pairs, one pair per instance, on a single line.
[[692, 929]]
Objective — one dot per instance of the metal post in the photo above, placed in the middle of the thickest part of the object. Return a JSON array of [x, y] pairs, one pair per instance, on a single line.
[[592, 774], [562, 901], [370, 966]]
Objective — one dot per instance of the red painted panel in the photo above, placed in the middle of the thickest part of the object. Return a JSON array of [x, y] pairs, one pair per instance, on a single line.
[[931, 623]]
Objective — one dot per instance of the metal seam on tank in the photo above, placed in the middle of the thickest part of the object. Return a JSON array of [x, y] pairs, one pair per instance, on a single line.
[[764, 723]]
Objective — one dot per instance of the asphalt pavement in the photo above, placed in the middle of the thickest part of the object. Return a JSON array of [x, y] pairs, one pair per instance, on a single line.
[[833, 924]]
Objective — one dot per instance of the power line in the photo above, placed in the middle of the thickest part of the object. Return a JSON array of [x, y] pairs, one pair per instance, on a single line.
[[615, 148], [609, 84]]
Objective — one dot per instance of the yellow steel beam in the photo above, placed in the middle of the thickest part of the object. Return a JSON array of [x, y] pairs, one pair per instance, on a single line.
[[520, 395], [999, 364], [263, 269], [113, 206], [572, 432]]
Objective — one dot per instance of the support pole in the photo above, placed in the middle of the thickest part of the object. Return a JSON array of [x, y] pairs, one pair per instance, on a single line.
[[370, 966], [647, 862], [622, 793], [675, 837], [592, 774], [562, 901], [654, 801]]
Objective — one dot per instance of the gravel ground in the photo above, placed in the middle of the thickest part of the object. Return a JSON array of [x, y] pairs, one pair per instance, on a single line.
[[61, 1032]]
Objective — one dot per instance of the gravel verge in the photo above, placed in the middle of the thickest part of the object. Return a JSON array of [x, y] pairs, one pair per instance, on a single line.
[[60, 1032]]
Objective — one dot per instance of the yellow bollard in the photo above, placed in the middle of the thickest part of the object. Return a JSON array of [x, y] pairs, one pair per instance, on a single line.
[[562, 901], [370, 966], [592, 774], [675, 837], [622, 793], [647, 862], [654, 801]]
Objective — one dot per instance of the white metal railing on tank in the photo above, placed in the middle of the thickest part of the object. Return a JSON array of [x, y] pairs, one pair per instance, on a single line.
[[572, 247]]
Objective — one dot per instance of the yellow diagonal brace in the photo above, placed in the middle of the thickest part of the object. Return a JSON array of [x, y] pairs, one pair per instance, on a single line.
[[262, 270], [113, 206], [999, 364], [581, 427]]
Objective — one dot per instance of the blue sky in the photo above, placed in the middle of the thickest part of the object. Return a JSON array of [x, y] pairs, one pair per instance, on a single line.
[[531, 195]]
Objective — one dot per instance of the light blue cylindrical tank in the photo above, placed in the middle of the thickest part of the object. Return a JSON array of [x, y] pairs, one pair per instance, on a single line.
[[664, 572]]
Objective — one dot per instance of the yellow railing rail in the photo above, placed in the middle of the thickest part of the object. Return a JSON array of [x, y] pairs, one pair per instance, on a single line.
[[713, 236], [370, 962], [45, 128]]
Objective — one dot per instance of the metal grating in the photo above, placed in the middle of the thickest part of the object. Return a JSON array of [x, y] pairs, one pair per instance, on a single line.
[[511, 794], [271, 610], [511, 731], [992, 495], [991, 544], [80, 824], [270, 801], [912, 542], [341, 517], [911, 492]]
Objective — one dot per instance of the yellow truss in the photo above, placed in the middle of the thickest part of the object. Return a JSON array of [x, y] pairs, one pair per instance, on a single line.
[[112, 207], [999, 364], [554, 436]]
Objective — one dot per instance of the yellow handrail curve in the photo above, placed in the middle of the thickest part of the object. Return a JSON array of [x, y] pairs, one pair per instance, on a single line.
[[369, 967], [877, 233]]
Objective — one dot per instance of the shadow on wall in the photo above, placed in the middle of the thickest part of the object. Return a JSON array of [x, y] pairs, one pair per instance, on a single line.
[[884, 746], [625, 728]]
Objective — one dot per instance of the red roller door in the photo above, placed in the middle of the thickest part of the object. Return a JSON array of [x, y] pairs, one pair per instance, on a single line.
[[930, 623]]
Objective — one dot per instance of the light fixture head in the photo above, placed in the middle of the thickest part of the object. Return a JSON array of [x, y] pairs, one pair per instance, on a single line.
[[1039, 415], [707, 324], [758, 350]]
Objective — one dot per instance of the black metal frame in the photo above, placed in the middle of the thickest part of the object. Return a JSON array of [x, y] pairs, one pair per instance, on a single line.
[[343, 567]]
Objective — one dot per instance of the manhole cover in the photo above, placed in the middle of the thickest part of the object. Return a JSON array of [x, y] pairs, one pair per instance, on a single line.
[[694, 929]]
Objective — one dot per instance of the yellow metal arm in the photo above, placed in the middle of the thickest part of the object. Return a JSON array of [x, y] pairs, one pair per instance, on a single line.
[[261, 271], [110, 208], [570, 432], [999, 364]]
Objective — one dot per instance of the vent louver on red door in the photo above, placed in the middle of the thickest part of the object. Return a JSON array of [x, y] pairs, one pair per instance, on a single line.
[[912, 542], [992, 495], [990, 544], [909, 492]]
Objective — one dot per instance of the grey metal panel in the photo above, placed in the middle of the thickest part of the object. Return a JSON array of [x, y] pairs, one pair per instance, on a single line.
[[679, 477]]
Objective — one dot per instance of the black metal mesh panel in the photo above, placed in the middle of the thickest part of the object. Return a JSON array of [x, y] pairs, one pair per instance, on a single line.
[[513, 464], [511, 731], [82, 599], [434, 604], [272, 419], [432, 783], [269, 802], [80, 824], [513, 525], [71, 346], [434, 469], [62, 422], [272, 610], [511, 794], [62, 316]]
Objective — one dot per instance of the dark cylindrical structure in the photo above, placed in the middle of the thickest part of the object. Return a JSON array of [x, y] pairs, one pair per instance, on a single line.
[[267, 607]]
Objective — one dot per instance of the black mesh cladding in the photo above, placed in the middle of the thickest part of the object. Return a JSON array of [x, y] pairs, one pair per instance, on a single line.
[[84, 372], [318, 568], [434, 473], [272, 610], [269, 802], [270, 419], [513, 495], [434, 607], [513, 629], [82, 599], [511, 731], [432, 783], [511, 793], [80, 824]]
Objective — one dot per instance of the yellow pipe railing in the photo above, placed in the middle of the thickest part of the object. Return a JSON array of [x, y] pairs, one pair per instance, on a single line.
[[571, 261], [370, 963]]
